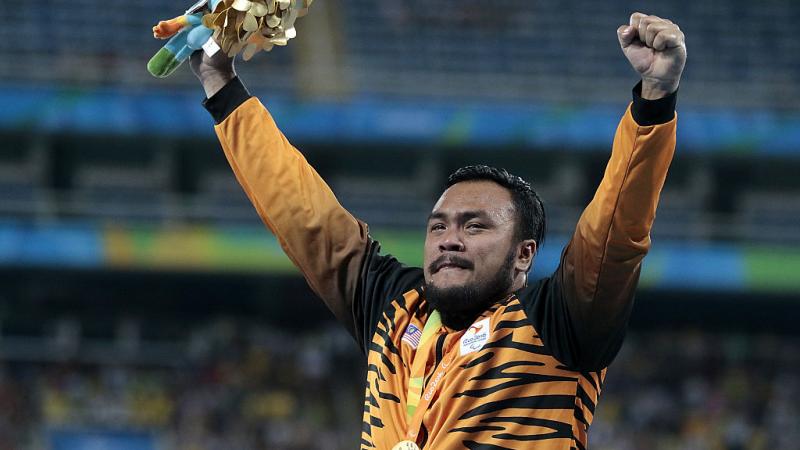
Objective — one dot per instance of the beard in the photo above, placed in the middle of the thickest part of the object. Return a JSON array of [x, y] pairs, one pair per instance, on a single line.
[[459, 306]]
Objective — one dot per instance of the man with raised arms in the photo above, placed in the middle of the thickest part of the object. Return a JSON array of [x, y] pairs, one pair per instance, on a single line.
[[464, 352]]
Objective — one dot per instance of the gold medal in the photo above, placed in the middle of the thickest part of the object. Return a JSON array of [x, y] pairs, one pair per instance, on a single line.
[[405, 445]]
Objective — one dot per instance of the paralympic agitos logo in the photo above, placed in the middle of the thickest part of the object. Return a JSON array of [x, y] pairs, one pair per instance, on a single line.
[[475, 337]]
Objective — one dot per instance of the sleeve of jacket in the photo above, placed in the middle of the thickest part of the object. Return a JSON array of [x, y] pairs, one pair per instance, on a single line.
[[582, 310], [332, 249]]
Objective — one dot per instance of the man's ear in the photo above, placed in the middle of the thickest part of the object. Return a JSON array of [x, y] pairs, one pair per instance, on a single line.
[[526, 251]]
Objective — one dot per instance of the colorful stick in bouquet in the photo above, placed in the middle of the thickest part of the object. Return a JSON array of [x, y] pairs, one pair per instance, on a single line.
[[234, 26]]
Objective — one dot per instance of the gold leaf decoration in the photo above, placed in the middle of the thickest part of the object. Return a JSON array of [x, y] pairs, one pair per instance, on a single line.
[[254, 25]]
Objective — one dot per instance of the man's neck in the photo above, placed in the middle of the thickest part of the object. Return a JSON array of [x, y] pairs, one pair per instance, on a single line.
[[461, 320]]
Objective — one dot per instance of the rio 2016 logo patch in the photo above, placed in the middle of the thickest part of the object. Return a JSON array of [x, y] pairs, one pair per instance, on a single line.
[[475, 337]]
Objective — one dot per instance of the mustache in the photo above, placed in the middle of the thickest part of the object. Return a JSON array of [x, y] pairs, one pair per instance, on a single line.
[[445, 260]]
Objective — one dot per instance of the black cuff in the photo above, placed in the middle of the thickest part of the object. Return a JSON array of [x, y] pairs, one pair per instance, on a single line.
[[226, 100], [652, 112]]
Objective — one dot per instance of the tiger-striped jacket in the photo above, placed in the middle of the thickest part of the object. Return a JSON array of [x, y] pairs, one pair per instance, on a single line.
[[534, 381]]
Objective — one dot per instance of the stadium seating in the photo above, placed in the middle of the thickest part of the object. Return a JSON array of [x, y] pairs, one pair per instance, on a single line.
[[246, 385], [511, 50]]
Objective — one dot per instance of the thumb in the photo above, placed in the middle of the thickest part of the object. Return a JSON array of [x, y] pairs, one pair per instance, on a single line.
[[626, 34]]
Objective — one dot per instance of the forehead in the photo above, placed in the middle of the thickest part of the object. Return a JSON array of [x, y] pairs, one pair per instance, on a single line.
[[482, 195]]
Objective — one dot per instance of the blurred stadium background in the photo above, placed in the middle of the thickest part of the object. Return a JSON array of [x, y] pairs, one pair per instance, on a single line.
[[143, 306]]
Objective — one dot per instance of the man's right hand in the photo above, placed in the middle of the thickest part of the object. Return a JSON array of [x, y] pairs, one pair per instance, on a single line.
[[213, 72]]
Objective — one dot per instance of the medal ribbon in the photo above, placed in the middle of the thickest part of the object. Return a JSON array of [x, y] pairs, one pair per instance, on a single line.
[[417, 403]]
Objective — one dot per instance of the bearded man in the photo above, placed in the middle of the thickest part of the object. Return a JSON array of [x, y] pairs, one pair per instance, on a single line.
[[464, 353]]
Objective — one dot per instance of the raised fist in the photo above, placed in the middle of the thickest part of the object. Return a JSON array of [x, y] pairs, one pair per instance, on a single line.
[[656, 49]]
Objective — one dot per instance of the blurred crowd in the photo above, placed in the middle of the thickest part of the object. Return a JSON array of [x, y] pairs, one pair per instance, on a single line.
[[689, 390], [238, 388], [260, 388]]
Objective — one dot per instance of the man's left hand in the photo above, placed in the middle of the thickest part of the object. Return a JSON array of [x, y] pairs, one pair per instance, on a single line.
[[656, 48]]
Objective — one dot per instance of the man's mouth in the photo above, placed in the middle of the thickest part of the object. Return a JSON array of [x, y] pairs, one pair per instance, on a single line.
[[451, 263]]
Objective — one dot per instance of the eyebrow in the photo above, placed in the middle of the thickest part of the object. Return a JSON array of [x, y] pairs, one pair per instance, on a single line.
[[460, 217]]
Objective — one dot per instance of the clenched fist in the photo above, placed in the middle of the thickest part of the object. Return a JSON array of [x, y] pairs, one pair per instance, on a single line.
[[656, 48]]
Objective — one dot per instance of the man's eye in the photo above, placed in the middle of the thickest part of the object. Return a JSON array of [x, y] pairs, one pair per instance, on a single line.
[[437, 227], [475, 226]]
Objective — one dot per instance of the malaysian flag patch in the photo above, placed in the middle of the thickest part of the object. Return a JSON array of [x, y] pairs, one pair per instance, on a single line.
[[412, 336]]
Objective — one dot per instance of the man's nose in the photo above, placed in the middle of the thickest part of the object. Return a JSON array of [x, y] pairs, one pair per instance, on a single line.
[[451, 242]]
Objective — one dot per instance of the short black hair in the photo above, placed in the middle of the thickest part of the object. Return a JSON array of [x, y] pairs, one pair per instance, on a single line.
[[531, 220]]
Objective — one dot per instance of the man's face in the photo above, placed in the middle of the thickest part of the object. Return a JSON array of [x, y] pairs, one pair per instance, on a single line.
[[470, 240]]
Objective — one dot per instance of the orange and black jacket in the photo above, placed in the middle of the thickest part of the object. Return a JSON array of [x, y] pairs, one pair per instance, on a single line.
[[535, 381]]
